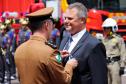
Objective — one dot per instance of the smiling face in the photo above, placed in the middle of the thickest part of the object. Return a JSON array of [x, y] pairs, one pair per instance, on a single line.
[[72, 22]]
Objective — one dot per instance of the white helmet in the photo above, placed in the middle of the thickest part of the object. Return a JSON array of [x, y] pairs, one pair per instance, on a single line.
[[109, 22]]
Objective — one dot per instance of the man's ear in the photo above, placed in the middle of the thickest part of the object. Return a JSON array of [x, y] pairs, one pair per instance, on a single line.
[[83, 20], [46, 25]]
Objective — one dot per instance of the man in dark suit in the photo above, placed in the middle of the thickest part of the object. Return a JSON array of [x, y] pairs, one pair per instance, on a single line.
[[89, 51]]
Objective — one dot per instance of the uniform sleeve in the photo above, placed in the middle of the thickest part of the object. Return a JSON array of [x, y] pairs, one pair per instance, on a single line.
[[122, 49], [58, 73]]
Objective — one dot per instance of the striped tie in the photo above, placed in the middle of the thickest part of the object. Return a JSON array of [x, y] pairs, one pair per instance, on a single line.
[[67, 45]]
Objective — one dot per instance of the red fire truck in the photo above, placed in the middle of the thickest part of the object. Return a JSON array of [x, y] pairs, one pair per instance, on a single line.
[[15, 5], [99, 10]]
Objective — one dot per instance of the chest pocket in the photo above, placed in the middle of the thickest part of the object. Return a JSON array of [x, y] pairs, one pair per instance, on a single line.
[[114, 43]]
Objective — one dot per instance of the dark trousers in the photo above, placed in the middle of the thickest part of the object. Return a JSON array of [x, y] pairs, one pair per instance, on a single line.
[[10, 65]]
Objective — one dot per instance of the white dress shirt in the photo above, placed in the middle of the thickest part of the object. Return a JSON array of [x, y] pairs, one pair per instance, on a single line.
[[76, 38]]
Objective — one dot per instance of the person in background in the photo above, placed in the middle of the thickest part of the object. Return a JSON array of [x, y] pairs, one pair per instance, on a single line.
[[37, 62], [2, 59], [55, 35], [24, 32], [89, 51], [9, 42], [6, 43], [115, 50]]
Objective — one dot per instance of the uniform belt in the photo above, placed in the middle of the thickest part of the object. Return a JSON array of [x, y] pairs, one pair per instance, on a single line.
[[113, 59]]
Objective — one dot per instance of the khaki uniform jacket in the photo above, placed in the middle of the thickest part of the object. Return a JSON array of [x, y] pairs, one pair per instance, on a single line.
[[115, 46], [36, 64]]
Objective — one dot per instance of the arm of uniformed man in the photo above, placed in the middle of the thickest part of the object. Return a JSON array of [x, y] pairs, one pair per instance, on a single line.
[[60, 74]]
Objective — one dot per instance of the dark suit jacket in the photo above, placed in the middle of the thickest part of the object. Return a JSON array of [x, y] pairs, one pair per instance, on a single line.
[[91, 54]]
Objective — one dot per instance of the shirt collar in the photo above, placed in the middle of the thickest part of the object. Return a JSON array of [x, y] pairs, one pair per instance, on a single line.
[[78, 35]]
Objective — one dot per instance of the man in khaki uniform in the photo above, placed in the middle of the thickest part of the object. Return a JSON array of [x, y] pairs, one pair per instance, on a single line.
[[115, 50], [36, 61]]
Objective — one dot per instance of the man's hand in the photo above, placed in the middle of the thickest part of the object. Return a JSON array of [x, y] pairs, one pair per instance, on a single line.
[[64, 53], [73, 62]]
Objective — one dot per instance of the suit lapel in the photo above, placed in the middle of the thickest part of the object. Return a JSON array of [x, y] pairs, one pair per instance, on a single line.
[[63, 43], [80, 43]]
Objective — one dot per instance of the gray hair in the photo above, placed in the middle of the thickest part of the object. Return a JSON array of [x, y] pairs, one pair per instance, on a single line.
[[82, 10]]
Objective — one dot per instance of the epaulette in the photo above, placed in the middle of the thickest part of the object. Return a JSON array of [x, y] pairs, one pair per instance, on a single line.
[[51, 45], [117, 36]]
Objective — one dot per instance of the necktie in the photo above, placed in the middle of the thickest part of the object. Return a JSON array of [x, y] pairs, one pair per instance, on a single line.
[[68, 43]]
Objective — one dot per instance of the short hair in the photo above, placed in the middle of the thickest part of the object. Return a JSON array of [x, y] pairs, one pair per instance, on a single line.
[[36, 25], [82, 10]]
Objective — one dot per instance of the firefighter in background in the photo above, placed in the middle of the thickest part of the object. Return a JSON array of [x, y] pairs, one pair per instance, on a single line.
[[24, 32], [115, 50]]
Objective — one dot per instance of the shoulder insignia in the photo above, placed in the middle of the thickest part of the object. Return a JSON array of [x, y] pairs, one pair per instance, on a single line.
[[116, 35], [57, 56], [51, 45]]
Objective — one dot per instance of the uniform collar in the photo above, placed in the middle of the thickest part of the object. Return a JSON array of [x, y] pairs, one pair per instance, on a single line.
[[38, 38]]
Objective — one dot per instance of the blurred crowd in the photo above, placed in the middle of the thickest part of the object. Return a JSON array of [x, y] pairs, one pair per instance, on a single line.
[[13, 32]]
